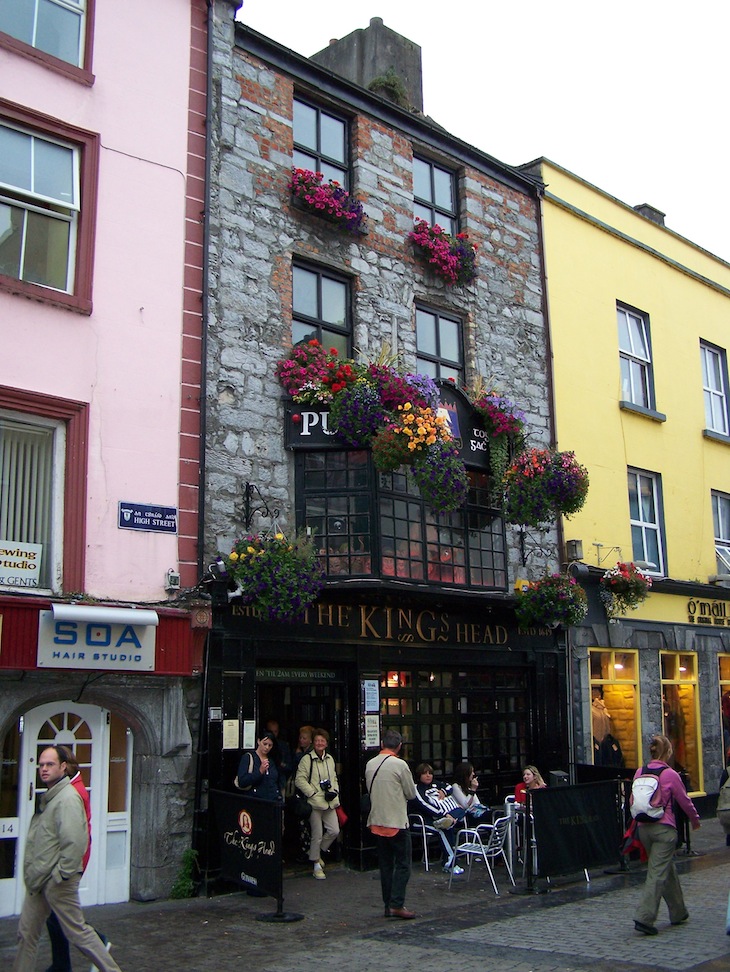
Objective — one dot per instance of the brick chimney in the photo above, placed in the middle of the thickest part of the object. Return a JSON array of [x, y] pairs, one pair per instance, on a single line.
[[379, 59]]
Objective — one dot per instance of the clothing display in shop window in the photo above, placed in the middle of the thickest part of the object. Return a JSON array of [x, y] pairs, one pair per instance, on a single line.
[[601, 720]]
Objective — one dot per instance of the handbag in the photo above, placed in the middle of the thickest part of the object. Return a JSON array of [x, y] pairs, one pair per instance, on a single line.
[[301, 807], [342, 817]]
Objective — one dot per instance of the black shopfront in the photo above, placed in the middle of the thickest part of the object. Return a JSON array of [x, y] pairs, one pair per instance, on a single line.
[[460, 682]]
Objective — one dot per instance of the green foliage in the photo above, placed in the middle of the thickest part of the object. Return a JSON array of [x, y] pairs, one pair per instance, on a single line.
[[186, 882], [552, 600], [391, 85]]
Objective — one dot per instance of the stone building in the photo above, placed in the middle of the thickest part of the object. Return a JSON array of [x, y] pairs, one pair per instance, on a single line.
[[430, 647]]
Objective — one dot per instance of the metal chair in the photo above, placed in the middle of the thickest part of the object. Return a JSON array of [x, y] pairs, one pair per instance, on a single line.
[[485, 842], [426, 831]]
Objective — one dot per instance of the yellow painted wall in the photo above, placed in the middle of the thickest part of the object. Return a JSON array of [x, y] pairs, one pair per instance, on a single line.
[[588, 271]]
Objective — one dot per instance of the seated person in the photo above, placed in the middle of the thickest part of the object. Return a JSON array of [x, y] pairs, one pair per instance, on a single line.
[[464, 791], [531, 780], [438, 807]]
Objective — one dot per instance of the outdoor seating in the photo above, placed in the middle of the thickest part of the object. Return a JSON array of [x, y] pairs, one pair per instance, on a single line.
[[427, 833], [485, 842]]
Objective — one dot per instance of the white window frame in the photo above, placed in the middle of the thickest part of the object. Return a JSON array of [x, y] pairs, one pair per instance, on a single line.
[[53, 556], [77, 7], [714, 371], [30, 201], [637, 386], [647, 526], [721, 526]]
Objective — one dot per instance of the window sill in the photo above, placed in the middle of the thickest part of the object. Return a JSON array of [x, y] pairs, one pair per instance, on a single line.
[[45, 295], [321, 218], [716, 436], [640, 410], [64, 68]]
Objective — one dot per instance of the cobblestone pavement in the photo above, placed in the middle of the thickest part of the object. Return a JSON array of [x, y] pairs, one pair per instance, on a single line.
[[575, 927]]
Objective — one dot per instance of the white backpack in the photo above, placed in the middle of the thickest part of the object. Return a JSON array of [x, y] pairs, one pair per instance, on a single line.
[[643, 794]]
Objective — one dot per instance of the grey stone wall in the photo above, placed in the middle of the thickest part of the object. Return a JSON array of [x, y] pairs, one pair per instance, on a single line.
[[255, 234]]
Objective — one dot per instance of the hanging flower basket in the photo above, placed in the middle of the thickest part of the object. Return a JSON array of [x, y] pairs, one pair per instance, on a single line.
[[541, 485], [504, 423], [551, 601], [453, 258], [623, 588], [441, 478], [312, 375], [278, 577], [328, 200]]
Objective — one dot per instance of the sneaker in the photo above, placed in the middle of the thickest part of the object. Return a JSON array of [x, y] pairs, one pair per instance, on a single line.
[[318, 873], [107, 945], [321, 863], [444, 823], [453, 868]]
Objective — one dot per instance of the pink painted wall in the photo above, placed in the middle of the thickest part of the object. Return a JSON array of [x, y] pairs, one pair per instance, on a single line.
[[125, 358]]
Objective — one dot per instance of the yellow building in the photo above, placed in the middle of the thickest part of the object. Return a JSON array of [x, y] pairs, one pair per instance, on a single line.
[[640, 325]]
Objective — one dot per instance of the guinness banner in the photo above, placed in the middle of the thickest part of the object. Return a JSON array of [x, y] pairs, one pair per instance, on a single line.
[[577, 827], [249, 834]]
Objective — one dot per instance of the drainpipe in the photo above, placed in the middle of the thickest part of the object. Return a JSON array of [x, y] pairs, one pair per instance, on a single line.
[[553, 441]]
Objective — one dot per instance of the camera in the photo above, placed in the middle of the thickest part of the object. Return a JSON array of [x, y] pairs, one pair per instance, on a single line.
[[329, 793]]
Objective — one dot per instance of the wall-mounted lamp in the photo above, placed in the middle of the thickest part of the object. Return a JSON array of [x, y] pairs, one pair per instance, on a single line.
[[600, 557], [573, 549]]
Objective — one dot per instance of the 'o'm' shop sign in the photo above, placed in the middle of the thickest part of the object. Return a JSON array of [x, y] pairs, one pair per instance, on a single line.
[[20, 564], [99, 638]]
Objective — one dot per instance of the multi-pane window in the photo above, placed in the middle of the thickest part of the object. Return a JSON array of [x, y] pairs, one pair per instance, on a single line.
[[714, 388], [681, 714], [645, 515], [31, 500], [320, 142], [721, 523], [439, 345], [614, 678], [378, 525], [434, 192], [39, 208], [56, 27], [321, 308], [635, 356]]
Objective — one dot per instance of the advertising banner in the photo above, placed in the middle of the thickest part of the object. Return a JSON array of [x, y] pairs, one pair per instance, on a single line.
[[249, 835], [577, 827]]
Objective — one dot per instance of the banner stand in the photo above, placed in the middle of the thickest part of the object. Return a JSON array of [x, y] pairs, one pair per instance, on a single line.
[[249, 834]]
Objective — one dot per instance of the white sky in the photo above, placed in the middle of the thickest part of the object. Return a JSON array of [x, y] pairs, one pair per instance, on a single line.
[[630, 95]]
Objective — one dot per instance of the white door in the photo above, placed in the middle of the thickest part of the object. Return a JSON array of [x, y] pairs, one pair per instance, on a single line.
[[102, 744]]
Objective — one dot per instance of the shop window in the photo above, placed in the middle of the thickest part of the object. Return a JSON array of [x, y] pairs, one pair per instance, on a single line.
[[320, 142], [321, 308], [645, 512], [724, 664], [42, 491], [368, 524], [56, 32], [434, 195], [439, 345], [9, 809], [681, 714], [615, 730], [48, 180]]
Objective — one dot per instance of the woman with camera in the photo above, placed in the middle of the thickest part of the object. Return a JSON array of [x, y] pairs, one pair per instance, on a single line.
[[317, 779]]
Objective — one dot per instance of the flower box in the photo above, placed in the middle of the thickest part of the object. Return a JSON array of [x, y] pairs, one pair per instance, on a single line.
[[453, 258], [327, 200]]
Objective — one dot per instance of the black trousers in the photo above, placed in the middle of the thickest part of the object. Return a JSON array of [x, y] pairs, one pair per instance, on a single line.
[[394, 860]]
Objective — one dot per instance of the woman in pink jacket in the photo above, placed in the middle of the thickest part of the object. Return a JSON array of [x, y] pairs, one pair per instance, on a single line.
[[659, 838]]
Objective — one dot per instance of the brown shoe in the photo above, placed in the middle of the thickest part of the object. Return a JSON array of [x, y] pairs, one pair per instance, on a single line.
[[402, 913]]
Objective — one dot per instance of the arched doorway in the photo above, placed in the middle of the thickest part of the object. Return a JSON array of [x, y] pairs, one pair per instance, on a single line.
[[103, 745]]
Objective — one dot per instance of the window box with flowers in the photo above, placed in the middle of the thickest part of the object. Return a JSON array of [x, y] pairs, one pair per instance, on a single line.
[[327, 200], [541, 485], [453, 258], [279, 578], [554, 600], [623, 588]]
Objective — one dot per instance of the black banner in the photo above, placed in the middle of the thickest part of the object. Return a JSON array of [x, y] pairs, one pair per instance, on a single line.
[[249, 834], [577, 827]]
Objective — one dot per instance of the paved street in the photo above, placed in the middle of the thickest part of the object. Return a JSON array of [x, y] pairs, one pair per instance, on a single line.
[[574, 927]]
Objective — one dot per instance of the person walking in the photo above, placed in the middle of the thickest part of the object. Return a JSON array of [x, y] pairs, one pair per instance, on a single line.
[[317, 779], [54, 852], [659, 837], [60, 951], [390, 785]]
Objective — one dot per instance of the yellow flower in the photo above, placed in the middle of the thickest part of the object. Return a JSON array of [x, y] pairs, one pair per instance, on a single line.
[[251, 550], [233, 556]]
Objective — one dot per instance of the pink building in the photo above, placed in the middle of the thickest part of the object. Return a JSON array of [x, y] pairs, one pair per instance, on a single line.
[[102, 198]]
